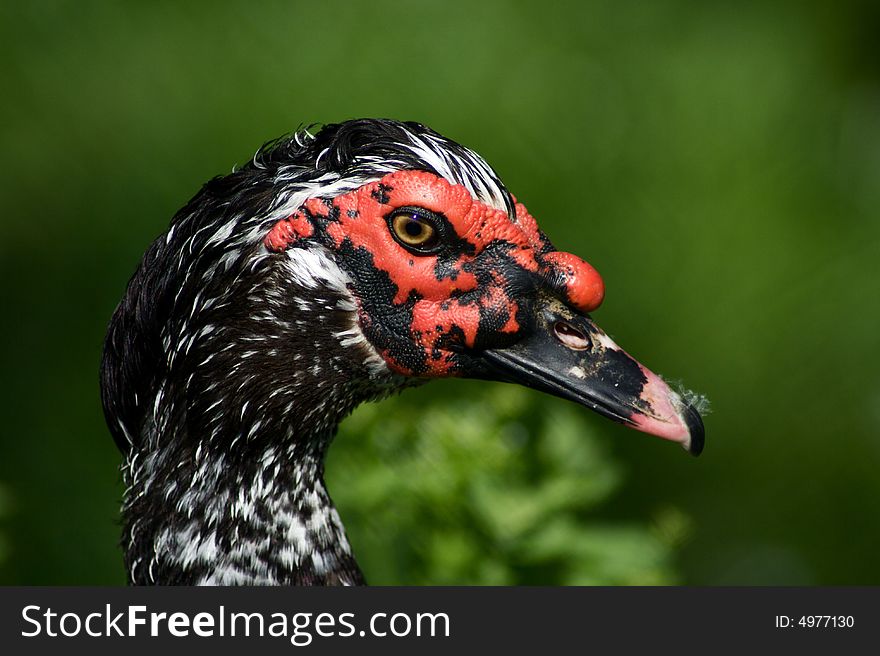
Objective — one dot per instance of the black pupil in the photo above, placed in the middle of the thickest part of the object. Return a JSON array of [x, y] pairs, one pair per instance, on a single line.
[[413, 227]]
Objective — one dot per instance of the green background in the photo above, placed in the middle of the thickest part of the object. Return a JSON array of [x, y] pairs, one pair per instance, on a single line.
[[718, 163]]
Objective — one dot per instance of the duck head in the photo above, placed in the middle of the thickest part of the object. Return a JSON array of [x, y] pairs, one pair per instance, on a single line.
[[453, 277]]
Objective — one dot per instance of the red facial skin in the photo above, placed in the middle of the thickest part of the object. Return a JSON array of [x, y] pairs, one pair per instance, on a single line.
[[453, 301], [287, 231]]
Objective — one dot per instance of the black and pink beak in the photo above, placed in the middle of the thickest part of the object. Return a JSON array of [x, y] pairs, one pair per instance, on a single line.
[[567, 355]]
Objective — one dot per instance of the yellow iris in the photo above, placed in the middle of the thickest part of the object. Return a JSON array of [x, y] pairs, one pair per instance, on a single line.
[[412, 230]]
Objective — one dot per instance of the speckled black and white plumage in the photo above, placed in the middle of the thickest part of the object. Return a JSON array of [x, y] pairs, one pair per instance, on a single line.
[[226, 483], [225, 474], [227, 368], [277, 301]]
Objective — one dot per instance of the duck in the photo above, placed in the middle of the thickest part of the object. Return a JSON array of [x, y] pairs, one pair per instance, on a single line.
[[343, 263]]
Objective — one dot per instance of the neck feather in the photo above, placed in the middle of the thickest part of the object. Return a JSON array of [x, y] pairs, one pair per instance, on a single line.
[[220, 523], [226, 486]]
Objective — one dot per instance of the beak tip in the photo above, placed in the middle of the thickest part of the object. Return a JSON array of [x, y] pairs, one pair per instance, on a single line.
[[697, 431], [669, 415]]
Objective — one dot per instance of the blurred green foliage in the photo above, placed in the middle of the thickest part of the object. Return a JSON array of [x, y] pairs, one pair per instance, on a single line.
[[492, 488], [4, 509], [718, 163]]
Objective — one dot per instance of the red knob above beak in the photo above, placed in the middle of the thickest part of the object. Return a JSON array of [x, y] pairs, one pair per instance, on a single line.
[[583, 284]]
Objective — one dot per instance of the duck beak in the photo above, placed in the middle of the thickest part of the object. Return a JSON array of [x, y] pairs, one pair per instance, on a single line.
[[568, 356]]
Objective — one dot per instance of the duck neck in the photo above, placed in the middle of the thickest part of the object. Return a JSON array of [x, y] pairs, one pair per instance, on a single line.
[[265, 519], [225, 480]]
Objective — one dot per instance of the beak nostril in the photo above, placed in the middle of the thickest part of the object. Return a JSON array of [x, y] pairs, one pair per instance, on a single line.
[[571, 336]]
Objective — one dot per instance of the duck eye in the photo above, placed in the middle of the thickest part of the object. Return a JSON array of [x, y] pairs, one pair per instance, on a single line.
[[415, 229]]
